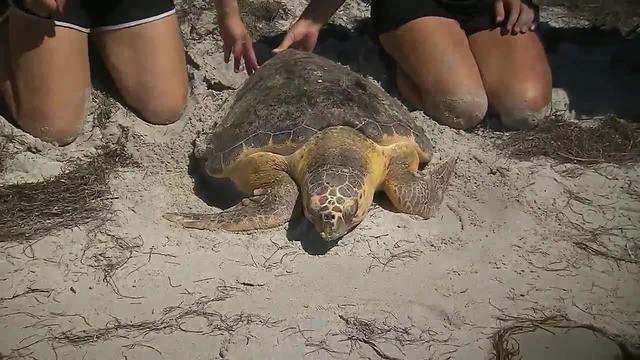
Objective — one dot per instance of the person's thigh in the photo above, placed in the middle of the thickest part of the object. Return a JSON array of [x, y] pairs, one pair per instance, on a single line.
[[516, 75], [49, 77], [434, 54], [148, 65], [5, 68]]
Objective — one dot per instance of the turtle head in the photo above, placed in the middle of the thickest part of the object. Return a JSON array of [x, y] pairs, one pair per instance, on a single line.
[[333, 201]]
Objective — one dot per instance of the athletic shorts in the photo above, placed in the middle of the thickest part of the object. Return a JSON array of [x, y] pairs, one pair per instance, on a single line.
[[101, 15], [472, 15]]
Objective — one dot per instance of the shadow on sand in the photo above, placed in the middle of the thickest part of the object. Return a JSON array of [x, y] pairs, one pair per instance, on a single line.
[[222, 194]]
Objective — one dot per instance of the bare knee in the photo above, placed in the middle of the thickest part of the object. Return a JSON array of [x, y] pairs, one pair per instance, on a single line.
[[463, 111], [56, 127], [524, 107], [520, 119], [162, 109], [164, 114]]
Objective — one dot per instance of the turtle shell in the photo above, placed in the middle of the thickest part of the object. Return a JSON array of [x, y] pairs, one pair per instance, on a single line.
[[293, 96]]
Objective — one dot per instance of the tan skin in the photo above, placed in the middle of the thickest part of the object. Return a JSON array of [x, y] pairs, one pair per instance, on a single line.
[[453, 77], [50, 82], [516, 84], [5, 60], [235, 37]]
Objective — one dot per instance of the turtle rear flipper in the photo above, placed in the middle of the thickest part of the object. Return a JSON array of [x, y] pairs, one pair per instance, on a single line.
[[414, 194], [270, 206]]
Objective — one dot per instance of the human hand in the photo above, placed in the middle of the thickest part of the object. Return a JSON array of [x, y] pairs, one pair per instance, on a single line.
[[303, 35], [44, 8], [521, 17], [237, 41]]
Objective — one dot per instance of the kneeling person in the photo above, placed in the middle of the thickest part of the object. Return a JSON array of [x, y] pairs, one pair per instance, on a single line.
[[44, 72]]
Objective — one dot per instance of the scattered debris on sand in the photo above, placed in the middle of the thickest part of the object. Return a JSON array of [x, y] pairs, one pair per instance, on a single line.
[[507, 341], [610, 140], [542, 225], [608, 14], [76, 197]]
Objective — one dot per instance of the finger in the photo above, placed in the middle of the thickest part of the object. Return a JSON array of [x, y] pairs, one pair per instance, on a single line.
[[286, 43], [237, 55], [534, 17], [514, 13], [310, 42], [531, 18], [524, 20], [227, 52], [250, 61], [499, 11]]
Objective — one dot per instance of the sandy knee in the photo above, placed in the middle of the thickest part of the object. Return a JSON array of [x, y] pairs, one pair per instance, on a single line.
[[524, 106], [164, 115], [162, 110], [458, 111], [60, 128], [520, 119], [521, 114]]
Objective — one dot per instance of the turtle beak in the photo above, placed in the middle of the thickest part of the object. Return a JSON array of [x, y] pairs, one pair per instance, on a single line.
[[332, 220], [332, 229], [327, 236]]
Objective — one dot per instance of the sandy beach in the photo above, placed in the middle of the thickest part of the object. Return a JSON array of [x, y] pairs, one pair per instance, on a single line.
[[545, 240]]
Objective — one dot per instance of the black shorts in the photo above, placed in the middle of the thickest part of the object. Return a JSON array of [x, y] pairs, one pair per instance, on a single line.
[[4, 9], [101, 15], [472, 15]]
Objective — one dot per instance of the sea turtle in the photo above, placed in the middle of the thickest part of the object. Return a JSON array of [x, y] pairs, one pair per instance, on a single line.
[[303, 124]]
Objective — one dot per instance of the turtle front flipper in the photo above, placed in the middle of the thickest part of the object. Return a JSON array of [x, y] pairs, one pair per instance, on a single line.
[[270, 206], [417, 194]]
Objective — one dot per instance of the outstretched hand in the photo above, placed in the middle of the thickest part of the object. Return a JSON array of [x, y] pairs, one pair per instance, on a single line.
[[237, 41], [303, 35], [44, 8], [515, 16]]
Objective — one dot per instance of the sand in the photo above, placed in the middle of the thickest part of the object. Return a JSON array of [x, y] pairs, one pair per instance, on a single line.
[[509, 241]]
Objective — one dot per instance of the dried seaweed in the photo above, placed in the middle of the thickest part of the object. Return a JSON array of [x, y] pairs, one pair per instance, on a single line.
[[374, 333], [7, 152], [4, 155], [506, 347], [598, 249], [27, 292], [76, 197], [104, 106], [633, 190], [171, 319], [610, 141], [317, 345], [391, 261], [107, 252], [617, 14], [593, 241]]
